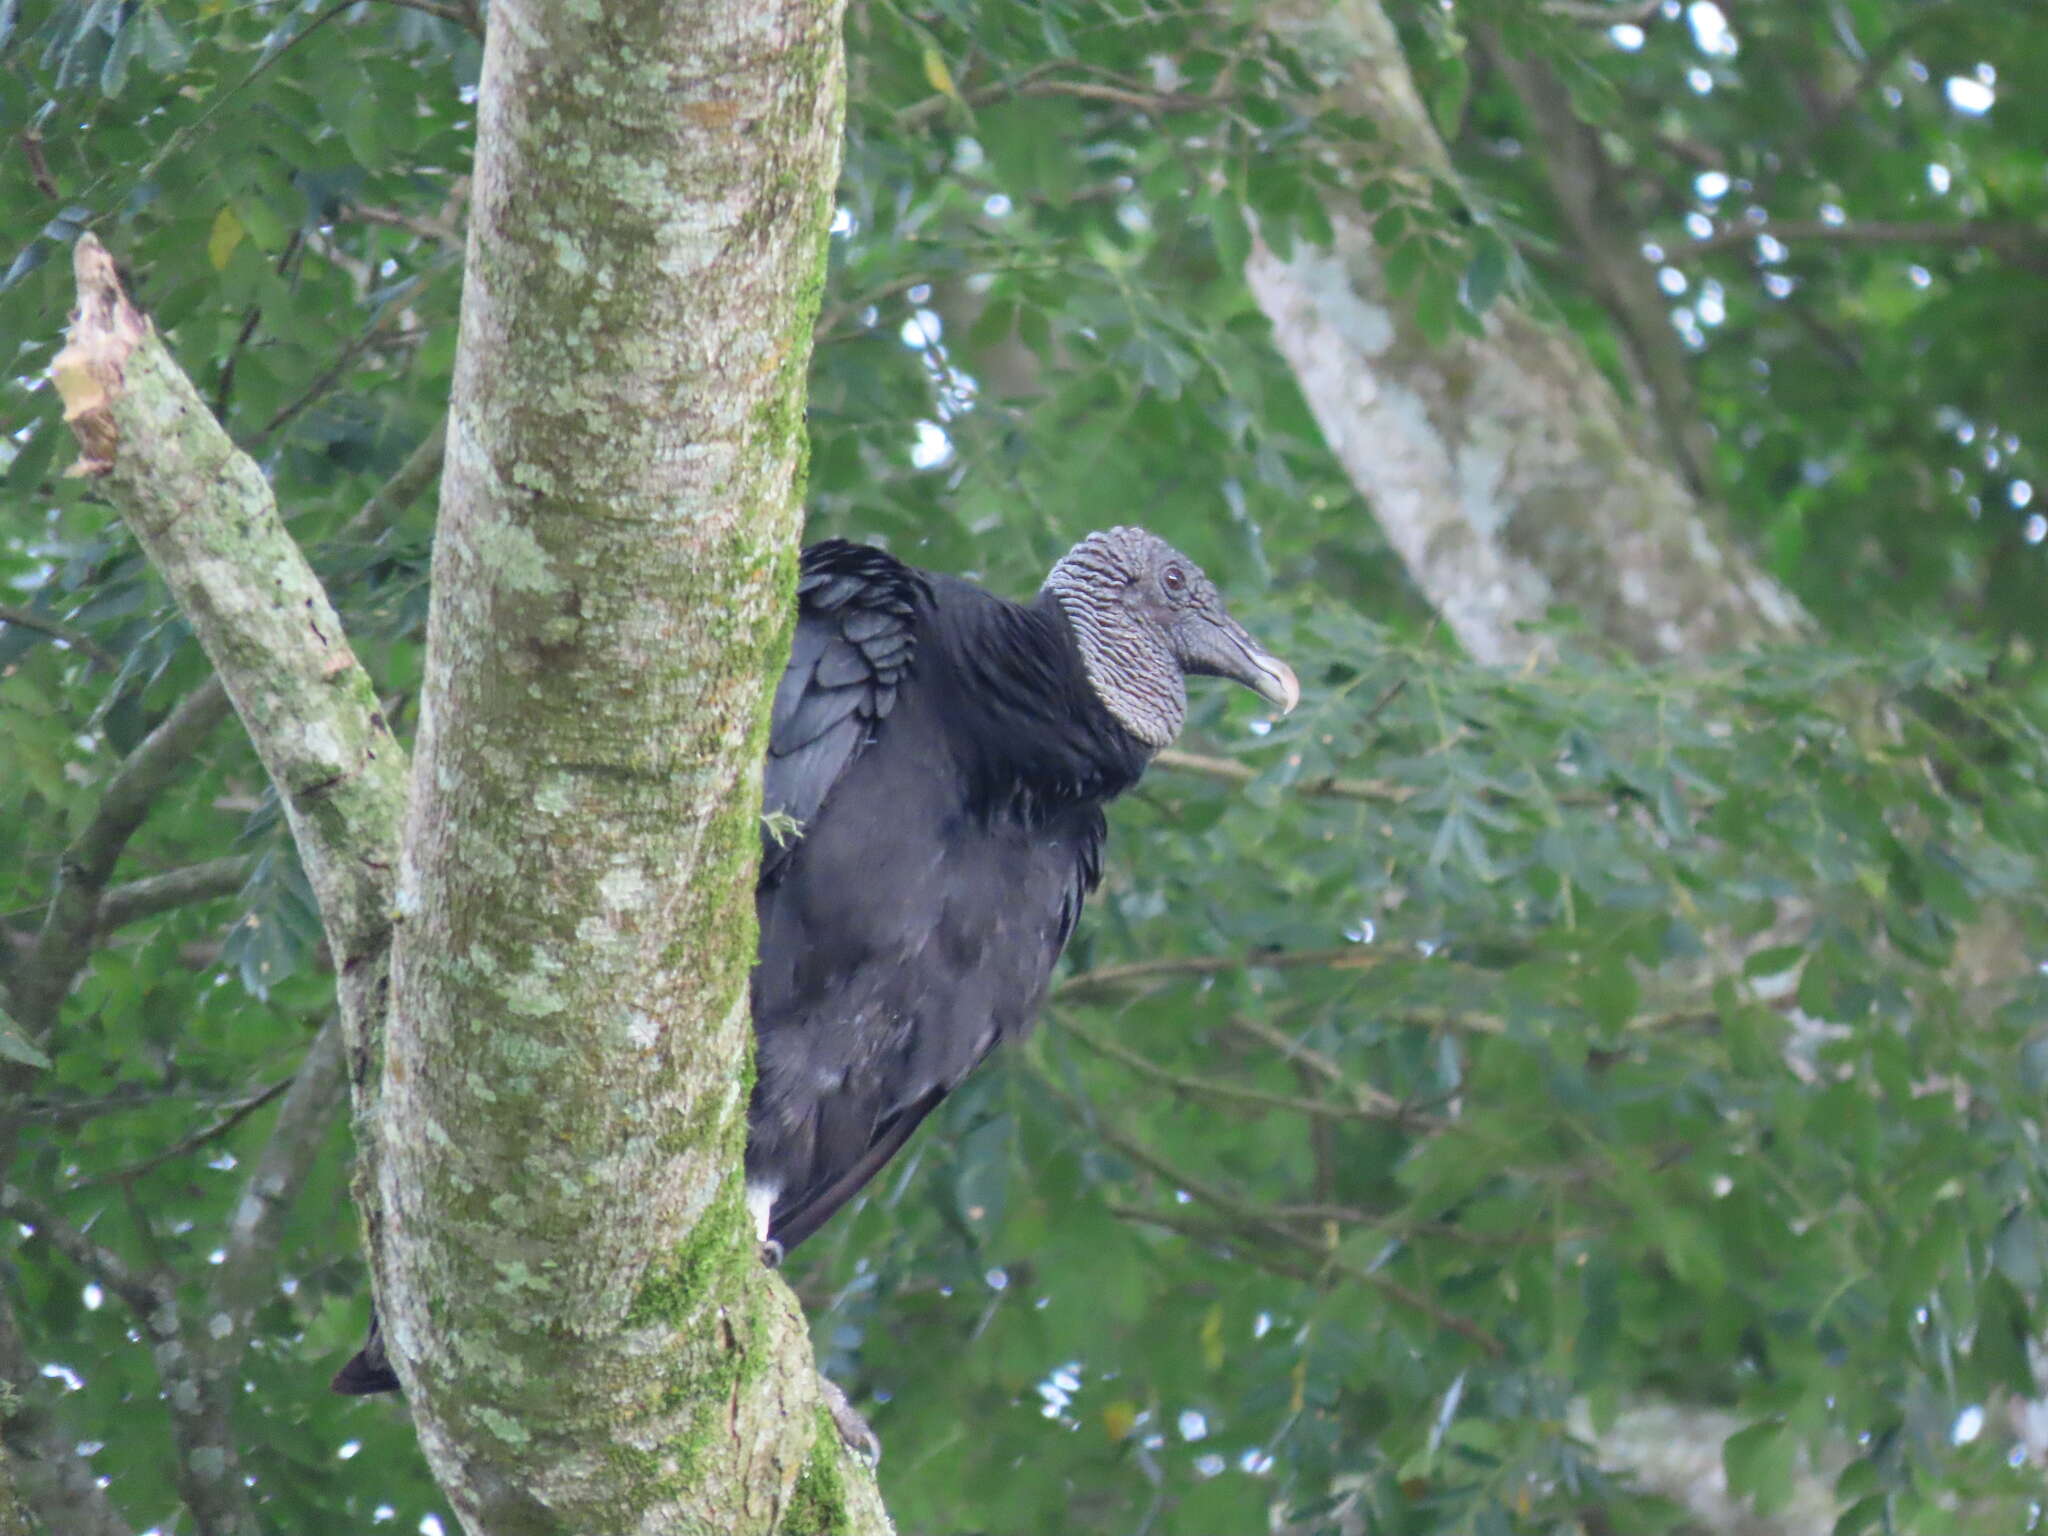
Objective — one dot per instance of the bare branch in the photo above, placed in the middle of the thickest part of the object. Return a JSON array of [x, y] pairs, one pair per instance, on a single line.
[[144, 1297], [422, 467], [465, 16], [56, 1483], [44, 623], [587, 797], [1106, 978], [1260, 1227], [65, 940], [2007, 236], [244, 1276], [279, 650], [185, 1146], [1375, 791], [174, 888], [1586, 189], [1595, 13], [1367, 1102], [262, 618]]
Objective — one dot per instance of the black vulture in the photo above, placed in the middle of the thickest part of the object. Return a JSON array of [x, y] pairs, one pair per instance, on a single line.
[[938, 761]]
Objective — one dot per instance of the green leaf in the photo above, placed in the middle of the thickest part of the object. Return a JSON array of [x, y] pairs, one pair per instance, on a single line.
[[225, 236], [1487, 272], [2005, 1328], [1057, 43], [1759, 1462], [1232, 235], [1447, 95], [1612, 993], [16, 1046], [127, 43], [1773, 961], [1404, 264], [2020, 1249]]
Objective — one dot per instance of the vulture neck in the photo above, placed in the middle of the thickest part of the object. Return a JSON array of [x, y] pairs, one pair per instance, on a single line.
[[1036, 736]]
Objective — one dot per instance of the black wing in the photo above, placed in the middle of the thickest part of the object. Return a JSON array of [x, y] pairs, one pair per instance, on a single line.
[[853, 1135], [797, 1218], [855, 639], [911, 928]]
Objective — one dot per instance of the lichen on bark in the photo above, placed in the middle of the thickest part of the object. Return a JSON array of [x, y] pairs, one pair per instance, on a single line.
[[203, 513], [1504, 468], [569, 1283]]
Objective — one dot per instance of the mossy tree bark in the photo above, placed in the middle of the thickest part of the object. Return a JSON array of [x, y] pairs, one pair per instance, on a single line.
[[1504, 469], [569, 1283], [568, 1279]]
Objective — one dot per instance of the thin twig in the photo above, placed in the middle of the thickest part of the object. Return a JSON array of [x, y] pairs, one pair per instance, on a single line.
[[1368, 1103], [1880, 59], [1095, 90], [397, 218], [1039, 81], [100, 1263], [66, 937], [1108, 977], [224, 388], [187, 1145], [465, 16], [38, 163], [1302, 1055], [1264, 1225], [332, 374], [421, 468], [1594, 14], [312, 1096], [1997, 234], [42, 623], [1377, 791], [54, 1111]]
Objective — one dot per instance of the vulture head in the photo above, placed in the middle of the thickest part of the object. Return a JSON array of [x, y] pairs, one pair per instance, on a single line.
[[1144, 617]]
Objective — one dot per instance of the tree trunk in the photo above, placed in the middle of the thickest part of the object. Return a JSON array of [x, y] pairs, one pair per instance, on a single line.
[[1504, 468], [569, 1281], [570, 1284]]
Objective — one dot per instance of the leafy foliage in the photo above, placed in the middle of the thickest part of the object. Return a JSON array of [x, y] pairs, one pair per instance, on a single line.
[[1443, 1070]]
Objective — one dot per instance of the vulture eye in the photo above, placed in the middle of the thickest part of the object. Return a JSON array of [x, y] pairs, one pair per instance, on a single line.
[[1174, 579]]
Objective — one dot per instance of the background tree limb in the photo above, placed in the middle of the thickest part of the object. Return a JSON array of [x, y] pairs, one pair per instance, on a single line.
[[1503, 467]]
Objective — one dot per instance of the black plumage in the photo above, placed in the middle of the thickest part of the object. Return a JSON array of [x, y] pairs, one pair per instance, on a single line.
[[938, 763], [946, 756], [948, 764]]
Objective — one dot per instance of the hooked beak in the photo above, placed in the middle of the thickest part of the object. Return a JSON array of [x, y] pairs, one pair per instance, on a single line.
[[1225, 649]]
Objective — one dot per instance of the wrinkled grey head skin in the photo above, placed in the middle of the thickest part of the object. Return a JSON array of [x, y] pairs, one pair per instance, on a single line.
[[1145, 618]]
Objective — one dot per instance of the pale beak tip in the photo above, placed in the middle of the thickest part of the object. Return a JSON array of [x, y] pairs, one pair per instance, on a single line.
[[1284, 688]]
